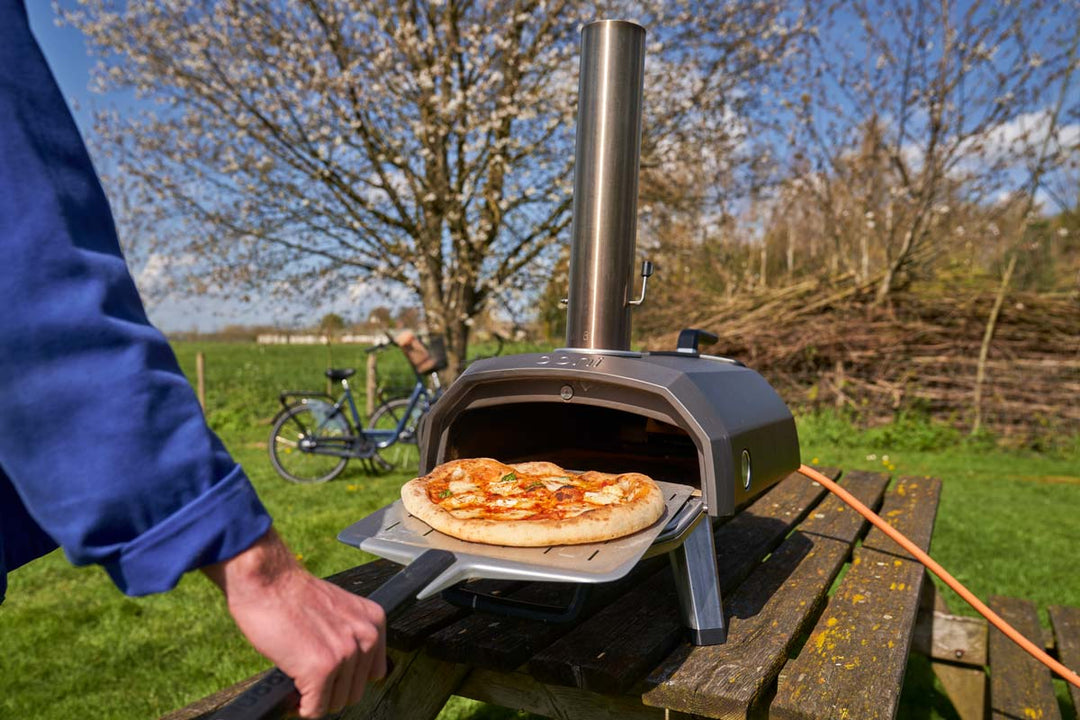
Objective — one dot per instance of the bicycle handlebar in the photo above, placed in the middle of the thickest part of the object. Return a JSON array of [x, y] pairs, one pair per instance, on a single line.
[[377, 348]]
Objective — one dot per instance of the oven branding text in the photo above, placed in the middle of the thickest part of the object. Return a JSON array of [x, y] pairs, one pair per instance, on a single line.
[[575, 361]]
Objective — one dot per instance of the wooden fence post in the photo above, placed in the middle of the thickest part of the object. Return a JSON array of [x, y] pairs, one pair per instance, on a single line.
[[329, 365], [841, 398], [370, 389], [200, 379]]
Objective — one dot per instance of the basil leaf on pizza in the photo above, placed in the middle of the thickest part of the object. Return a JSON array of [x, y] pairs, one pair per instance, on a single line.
[[532, 504]]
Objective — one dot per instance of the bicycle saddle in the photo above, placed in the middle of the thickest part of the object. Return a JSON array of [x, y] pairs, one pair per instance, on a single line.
[[340, 373]]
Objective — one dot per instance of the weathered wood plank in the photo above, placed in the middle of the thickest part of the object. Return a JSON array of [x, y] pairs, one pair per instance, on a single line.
[[411, 628], [417, 688], [1066, 622], [519, 690], [911, 509], [766, 614], [498, 642], [952, 638], [853, 664], [965, 686], [206, 706], [364, 579], [834, 519], [1020, 686], [619, 645]]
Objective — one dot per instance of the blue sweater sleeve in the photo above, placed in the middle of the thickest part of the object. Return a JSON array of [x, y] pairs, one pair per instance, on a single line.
[[100, 433]]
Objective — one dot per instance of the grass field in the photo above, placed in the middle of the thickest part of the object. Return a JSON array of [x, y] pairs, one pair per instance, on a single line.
[[75, 647]]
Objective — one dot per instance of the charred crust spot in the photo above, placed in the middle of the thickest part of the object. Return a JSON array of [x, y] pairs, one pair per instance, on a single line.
[[569, 493]]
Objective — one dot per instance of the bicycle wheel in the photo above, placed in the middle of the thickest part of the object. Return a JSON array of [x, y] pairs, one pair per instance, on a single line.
[[307, 443], [403, 453]]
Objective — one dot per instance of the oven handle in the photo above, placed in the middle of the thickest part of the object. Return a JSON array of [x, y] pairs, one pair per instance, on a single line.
[[275, 694]]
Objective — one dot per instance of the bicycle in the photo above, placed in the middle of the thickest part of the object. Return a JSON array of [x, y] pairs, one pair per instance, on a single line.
[[312, 438]]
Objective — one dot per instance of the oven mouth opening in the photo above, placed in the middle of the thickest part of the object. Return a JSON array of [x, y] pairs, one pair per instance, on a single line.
[[576, 437]]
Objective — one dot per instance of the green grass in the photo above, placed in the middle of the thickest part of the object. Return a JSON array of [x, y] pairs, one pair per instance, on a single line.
[[75, 647]]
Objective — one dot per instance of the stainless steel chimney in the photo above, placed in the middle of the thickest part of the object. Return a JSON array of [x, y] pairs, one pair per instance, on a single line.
[[605, 185]]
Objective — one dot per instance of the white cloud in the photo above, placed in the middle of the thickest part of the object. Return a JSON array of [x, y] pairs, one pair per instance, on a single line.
[[155, 277], [1029, 130]]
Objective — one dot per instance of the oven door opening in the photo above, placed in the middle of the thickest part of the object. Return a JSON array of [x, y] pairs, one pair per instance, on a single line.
[[576, 437]]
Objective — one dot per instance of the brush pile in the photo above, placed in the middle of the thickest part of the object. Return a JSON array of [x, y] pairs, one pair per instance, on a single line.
[[829, 345]]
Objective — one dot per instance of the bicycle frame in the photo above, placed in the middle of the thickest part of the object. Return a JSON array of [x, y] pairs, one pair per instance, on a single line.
[[386, 438], [317, 424], [354, 445]]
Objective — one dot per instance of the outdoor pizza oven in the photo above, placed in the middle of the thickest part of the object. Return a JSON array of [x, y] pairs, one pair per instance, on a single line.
[[678, 416], [709, 430]]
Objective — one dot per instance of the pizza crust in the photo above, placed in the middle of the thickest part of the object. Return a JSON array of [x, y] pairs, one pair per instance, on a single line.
[[605, 522]]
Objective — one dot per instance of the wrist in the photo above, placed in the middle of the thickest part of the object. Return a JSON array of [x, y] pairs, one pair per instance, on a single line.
[[262, 565]]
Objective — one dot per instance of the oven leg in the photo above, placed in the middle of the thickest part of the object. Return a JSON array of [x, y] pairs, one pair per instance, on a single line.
[[694, 565]]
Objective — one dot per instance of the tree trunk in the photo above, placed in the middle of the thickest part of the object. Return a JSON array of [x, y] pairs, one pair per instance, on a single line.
[[984, 351], [893, 268], [764, 265], [790, 251], [451, 321], [456, 337], [864, 260]]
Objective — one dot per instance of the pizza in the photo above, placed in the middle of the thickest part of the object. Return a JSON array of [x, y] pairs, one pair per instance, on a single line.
[[532, 504]]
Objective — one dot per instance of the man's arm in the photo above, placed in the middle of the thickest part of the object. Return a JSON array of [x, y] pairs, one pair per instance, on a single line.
[[329, 641], [101, 436]]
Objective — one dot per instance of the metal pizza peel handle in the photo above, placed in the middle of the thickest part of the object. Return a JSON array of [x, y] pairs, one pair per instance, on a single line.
[[275, 694]]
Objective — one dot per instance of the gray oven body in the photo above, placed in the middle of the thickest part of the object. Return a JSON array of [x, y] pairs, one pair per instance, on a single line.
[[694, 420]]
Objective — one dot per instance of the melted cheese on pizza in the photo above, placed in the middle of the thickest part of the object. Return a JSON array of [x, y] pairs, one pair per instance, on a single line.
[[485, 488]]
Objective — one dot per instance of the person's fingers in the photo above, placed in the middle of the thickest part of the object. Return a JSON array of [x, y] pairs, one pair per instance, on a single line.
[[380, 664], [372, 642], [315, 700], [341, 690], [360, 678]]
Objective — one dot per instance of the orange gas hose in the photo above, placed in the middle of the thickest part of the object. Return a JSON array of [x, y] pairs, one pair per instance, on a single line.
[[1010, 632]]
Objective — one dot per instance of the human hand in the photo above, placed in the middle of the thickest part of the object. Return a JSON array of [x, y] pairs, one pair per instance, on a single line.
[[329, 641]]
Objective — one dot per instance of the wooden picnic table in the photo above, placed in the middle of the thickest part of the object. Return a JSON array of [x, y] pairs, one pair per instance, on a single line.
[[794, 650]]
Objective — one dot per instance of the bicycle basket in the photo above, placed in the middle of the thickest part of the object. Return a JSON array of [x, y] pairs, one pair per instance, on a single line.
[[424, 359]]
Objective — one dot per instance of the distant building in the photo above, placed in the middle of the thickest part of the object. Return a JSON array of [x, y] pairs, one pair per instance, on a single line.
[[312, 339]]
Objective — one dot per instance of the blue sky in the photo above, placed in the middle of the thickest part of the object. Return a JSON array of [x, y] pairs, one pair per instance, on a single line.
[[65, 50]]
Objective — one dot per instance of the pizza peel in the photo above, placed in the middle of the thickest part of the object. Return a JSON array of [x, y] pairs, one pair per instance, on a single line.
[[394, 534]]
